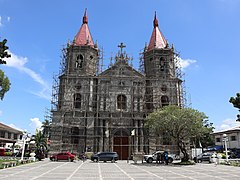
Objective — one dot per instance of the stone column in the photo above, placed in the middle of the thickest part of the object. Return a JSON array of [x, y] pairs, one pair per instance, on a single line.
[[100, 126], [136, 136], [141, 136]]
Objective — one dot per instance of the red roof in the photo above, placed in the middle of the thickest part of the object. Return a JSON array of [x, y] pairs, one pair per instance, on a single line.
[[83, 36], [157, 39]]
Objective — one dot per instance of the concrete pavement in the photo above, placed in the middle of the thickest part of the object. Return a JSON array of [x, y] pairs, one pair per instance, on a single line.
[[47, 170]]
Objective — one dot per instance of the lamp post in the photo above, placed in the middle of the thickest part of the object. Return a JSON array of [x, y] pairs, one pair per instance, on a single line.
[[225, 139], [25, 135]]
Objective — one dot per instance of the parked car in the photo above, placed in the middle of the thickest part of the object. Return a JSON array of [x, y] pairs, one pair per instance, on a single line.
[[149, 158], [62, 156], [203, 157], [2, 152], [105, 156]]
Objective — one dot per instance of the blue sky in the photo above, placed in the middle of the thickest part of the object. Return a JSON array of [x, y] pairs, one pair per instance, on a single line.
[[206, 33]]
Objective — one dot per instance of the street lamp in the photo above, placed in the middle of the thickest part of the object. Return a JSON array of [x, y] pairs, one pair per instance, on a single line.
[[24, 137], [225, 139]]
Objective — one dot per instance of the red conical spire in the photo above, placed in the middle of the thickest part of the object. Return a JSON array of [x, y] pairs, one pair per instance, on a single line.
[[155, 21], [85, 18], [83, 36], [157, 39]]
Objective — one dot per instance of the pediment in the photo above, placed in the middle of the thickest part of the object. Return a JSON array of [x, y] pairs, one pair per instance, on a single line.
[[121, 70]]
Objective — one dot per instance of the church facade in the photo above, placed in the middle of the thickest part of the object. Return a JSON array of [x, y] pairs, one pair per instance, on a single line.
[[106, 110]]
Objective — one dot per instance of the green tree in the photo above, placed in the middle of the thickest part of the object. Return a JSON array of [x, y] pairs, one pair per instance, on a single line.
[[4, 84], [181, 124], [3, 51], [46, 124], [236, 103], [4, 81], [46, 127], [41, 145]]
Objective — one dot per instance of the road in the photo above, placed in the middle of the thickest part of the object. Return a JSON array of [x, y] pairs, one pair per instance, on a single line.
[[121, 170]]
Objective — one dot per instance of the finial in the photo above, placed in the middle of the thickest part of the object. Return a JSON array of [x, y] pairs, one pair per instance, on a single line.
[[85, 18], [155, 21], [121, 46]]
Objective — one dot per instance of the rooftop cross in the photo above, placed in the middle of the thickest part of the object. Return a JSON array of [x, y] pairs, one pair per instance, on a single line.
[[121, 46]]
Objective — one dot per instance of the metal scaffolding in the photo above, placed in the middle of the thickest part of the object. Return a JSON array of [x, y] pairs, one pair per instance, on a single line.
[[107, 111]]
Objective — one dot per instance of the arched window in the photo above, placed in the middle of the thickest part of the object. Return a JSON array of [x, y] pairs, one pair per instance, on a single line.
[[77, 100], [162, 63], [121, 102], [164, 101], [79, 61]]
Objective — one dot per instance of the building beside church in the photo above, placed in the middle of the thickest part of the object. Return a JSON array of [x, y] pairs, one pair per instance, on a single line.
[[96, 110]]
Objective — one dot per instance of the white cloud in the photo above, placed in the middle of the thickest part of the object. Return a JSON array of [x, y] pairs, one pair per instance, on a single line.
[[19, 63], [3, 20], [35, 124], [227, 124], [184, 63]]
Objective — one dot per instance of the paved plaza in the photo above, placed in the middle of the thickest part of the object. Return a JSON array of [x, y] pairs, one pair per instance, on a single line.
[[47, 170]]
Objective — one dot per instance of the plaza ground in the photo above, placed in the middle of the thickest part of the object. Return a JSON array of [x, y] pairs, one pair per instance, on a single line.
[[48, 170]]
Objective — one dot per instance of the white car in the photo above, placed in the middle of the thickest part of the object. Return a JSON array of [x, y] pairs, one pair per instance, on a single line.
[[153, 157]]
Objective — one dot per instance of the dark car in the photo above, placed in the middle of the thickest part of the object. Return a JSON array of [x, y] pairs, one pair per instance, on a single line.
[[62, 156], [105, 156], [203, 157]]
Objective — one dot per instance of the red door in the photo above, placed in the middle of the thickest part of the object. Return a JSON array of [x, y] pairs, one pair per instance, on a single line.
[[120, 145]]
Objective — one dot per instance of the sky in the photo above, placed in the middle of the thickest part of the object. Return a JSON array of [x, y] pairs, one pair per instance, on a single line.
[[205, 33]]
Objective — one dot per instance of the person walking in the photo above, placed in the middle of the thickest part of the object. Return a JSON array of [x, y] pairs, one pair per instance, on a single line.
[[166, 157], [158, 158]]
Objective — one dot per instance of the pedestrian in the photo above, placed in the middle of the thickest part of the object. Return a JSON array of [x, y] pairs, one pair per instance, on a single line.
[[162, 157], [158, 158], [166, 157]]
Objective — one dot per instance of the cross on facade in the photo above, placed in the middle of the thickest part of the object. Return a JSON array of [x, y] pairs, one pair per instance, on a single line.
[[121, 46]]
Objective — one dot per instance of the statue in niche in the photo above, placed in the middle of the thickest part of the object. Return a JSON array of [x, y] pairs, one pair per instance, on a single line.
[[79, 61]]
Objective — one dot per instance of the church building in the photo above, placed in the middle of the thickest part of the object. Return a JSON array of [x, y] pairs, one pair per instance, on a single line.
[[96, 110]]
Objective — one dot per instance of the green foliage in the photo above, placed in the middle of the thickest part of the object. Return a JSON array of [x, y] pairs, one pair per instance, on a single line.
[[46, 128], [8, 153], [40, 144], [234, 163], [40, 141], [3, 51], [4, 84], [181, 124], [235, 101], [4, 81]]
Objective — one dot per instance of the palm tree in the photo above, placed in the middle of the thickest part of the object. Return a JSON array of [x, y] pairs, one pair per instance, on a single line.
[[41, 145], [46, 128]]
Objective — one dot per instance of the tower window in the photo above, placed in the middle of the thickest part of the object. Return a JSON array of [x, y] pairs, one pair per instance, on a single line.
[[77, 101], [164, 101], [121, 102], [79, 61], [162, 63]]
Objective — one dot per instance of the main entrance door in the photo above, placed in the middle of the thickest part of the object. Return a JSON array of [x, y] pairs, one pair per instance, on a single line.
[[121, 145]]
